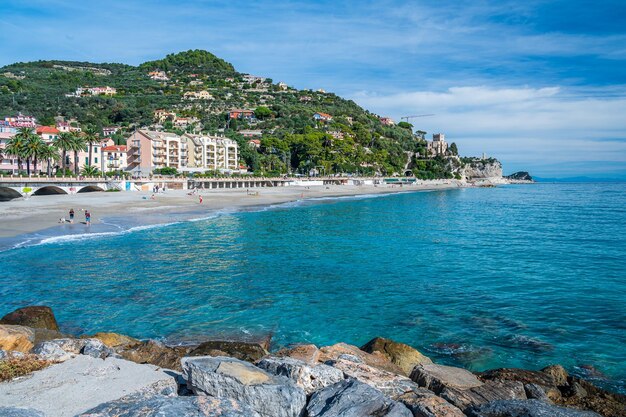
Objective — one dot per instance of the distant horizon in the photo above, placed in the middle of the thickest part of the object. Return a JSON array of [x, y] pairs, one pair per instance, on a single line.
[[540, 85]]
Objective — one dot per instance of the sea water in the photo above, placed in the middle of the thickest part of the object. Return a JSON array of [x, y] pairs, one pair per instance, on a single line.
[[514, 276]]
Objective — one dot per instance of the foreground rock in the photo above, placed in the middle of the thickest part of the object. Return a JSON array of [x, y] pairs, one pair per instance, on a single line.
[[490, 391], [528, 408], [424, 403], [400, 354], [230, 378], [16, 338], [351, 398], [172, 406], [81, 383], [19, 412], [32, 316], [115, 340], [390, 384], [245, 351], [63, 349], [439, 377], [155, 353], [308, 353], [310, 378], [376, 359]]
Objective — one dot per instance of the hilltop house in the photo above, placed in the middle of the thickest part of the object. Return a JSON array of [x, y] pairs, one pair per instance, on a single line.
[[161, 115], [387, 121], [158, 75], [251, 133], [241, 114], [438, 146], [199, 95], [254, 143], [323, 117]]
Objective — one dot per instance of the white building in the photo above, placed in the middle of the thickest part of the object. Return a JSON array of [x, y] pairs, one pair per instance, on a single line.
[[211, 153]]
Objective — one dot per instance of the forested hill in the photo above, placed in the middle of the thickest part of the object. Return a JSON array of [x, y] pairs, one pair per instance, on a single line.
[[198, 90]]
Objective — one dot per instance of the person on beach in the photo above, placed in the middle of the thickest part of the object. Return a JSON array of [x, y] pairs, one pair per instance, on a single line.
[[200, 198], [87, 218], [71, 215]]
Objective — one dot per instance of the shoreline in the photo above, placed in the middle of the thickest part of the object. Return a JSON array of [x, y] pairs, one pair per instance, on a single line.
[[32, 220]]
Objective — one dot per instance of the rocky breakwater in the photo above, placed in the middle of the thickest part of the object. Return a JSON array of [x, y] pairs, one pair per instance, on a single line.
[[108, 375]]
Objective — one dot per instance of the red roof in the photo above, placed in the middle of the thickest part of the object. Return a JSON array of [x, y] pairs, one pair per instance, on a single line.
[[325, 115], [255, 141], [47, 129], [115, 148]]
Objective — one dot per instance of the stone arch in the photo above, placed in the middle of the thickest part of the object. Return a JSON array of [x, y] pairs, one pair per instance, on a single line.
[[408, 173], [50, 190], [7, 194], [90, 189]]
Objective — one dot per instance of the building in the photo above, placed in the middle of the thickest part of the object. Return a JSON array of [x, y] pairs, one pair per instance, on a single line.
[[211, 153], [198, 95], [241, 114], [283, 86], [93, 91], [11, 124], [48, 133], [252, 79], [323, 117], [158, 75], [387, 121], [149, 150], [115, 158], [8, 163], [251, 133], [254, 143], [438, 146], [63, 126], [162, 115], [110, 130]]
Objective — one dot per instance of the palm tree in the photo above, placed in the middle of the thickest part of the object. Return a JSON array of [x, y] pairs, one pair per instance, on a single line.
[[64, 142], [77, 146], [49, 153], [90, 171], [32, 146], [15, 147], [90, 136]]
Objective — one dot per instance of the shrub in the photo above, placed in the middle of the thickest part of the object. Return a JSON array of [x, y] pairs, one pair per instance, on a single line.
[[13, 367]]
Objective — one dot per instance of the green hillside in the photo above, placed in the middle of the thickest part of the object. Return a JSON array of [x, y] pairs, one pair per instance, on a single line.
[[292, 141]]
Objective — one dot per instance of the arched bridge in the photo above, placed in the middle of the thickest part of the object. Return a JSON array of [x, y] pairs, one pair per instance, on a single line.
[[11, 188]]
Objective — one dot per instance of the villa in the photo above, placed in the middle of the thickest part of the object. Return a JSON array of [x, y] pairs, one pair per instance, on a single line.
[[158, 75], [438, 146], [387, 121], [323, 117], [241, 114]]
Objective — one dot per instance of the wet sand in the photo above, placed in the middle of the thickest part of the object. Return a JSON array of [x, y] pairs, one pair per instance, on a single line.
[[37, 213]]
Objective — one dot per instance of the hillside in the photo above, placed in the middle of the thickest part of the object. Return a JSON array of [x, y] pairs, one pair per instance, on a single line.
[[196, 90]]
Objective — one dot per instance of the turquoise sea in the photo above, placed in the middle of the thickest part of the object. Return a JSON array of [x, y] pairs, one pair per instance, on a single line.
[[515, 276]]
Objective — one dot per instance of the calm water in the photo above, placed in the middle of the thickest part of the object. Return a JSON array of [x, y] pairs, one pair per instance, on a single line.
[[517, 276]]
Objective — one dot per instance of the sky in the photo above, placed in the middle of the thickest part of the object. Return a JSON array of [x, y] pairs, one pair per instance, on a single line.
[[540, 85]]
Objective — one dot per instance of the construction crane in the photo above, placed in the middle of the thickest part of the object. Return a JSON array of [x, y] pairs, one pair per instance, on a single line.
[[407, 118]]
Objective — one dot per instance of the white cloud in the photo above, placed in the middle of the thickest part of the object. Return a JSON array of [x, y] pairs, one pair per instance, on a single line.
[[533, 126]]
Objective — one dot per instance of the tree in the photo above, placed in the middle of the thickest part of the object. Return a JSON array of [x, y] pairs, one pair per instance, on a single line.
[[90, 171], [15, 147], [33, 146], [90, 137], [262, 112], [64, 142], [78, 144], [453, 149], [49, 153], [405, 125]]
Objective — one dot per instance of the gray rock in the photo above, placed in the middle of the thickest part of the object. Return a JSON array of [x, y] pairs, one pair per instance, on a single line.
[[68, 345], [3, 354], [351, 398], [525, 408], [132, 406], [19, 412], [96, 349], [390, 384], [438, 377], [225, 377], [83, 382], [537, 392], [490, 391], [424, 403], [308, 377], [51, 352]]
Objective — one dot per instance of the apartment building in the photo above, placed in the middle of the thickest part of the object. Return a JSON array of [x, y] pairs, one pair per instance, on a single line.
[[115, 158], [149, 150], [211, 153]]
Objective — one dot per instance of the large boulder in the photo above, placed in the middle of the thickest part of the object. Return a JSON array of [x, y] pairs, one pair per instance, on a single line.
[[376, 359], [226, 377], [63, 349], [245, 351], [155, 353], [171, 406], [114, 340], [390, 384], [19, 412], [488, 392], [525, 408], [402, 355], [32, 316], [424, 403], [351, 398], [310, 378], [534, 381], [82, 383], [579, 393], [16, 338], [439, 377], [308, 353]]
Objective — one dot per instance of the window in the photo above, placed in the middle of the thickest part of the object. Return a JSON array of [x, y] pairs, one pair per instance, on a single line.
[[96, 160]]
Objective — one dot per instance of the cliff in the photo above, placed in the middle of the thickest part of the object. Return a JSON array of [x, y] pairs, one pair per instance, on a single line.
[[481, 169]]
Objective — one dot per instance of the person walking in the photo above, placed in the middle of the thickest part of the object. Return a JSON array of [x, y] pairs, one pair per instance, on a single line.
[[87, 218], [71, 215]]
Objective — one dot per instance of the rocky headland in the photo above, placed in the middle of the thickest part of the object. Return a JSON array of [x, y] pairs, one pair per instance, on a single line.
[[49, 373]]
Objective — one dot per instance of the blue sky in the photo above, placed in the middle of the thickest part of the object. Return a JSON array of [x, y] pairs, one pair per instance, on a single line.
[[539, 84]]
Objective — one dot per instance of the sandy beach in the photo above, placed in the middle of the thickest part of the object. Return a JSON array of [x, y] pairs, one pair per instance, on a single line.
[[37, 213]]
